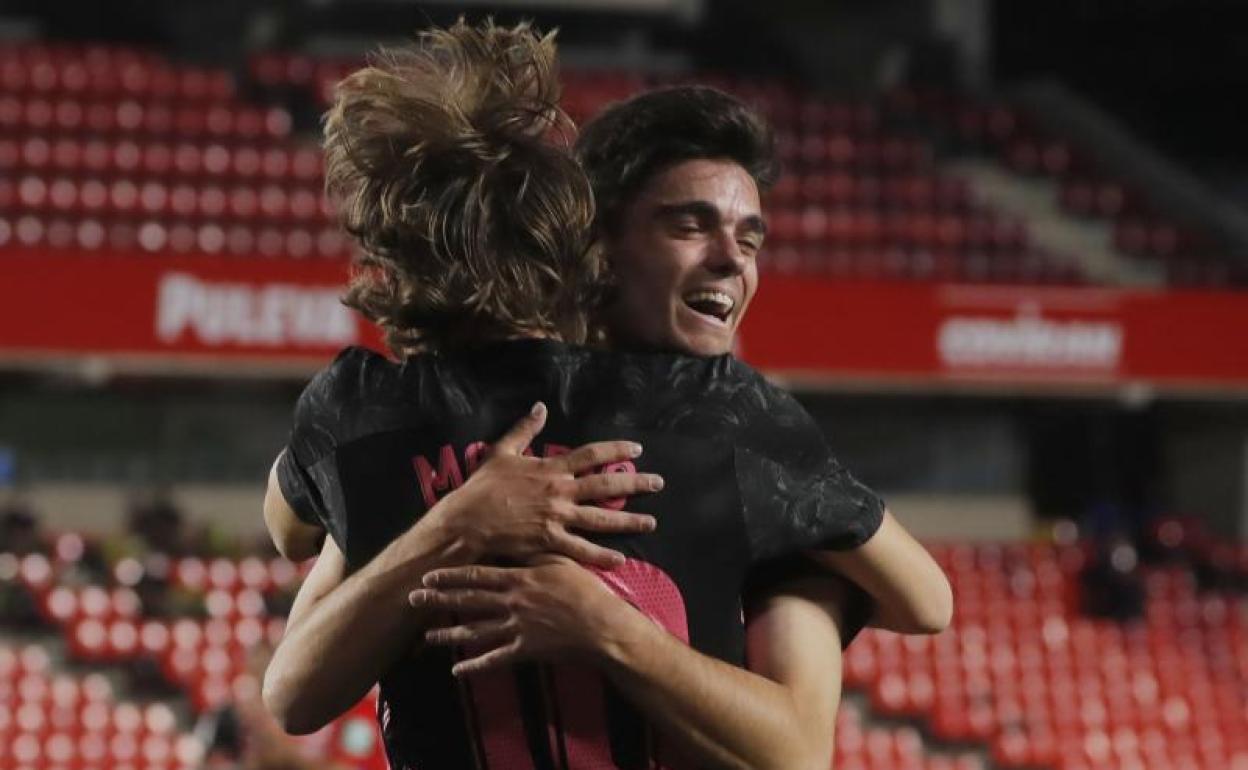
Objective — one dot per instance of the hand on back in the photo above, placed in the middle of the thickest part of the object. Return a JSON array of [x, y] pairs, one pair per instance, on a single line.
[[519, 507], [552, 610]]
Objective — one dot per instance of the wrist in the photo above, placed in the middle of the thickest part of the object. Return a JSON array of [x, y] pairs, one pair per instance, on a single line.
[[432, 543], [622, 636]]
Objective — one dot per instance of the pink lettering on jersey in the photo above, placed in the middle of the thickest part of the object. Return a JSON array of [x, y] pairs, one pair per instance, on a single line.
[[474, 455], [496, 703], [582, 704], [577, 698], [623, 466], [446, 478]]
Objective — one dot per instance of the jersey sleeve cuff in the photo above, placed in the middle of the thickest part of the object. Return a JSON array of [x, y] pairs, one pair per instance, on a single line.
[[296, 487], [861, 527]]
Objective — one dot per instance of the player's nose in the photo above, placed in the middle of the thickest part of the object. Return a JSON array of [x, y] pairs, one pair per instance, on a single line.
[[724, 255]]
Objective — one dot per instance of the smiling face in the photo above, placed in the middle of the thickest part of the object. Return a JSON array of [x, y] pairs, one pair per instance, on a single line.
[[684, 255]]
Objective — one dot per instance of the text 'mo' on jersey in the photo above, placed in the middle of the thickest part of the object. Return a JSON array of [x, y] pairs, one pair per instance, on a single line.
[[748, 477]]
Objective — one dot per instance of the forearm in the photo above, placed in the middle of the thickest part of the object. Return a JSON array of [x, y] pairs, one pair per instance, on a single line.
[[912, 595], [720, 715], [338, 645]]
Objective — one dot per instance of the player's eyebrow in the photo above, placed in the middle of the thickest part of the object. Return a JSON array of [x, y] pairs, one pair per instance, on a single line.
[[755, 223], [705, 211]]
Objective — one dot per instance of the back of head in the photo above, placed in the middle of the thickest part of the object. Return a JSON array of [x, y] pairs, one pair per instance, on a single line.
[[631, 141], [449, 162]]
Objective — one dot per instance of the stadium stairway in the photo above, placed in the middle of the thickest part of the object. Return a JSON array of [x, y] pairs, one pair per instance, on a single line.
[[1089, 244]]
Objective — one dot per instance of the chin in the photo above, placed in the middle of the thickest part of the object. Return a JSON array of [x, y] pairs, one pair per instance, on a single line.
[[705, 347]]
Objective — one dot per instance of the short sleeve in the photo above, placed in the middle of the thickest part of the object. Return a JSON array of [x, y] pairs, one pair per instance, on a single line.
[[299, 490], [796, 495], [315, 433], [819, 506]]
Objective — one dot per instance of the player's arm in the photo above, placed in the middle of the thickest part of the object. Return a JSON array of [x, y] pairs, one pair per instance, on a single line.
[[794, 636], [294, 538], [721, 715], [345, 630], [513, 506], [779, 714], [911, 592], [798, 495]]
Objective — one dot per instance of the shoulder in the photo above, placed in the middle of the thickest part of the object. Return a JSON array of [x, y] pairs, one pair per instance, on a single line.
[[716, 396], [356, 375], [354, 370], [779, 426]]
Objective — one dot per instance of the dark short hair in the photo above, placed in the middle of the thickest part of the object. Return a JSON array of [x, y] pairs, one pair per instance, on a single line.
[[451, 165], [631, 141]]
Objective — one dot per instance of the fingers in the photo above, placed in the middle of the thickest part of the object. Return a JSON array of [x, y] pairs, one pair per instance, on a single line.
[[591, 456], [592, 519], [475, 576], [486, 632], [604, 486], [523, 432], [457, 600], [496, 658], [581, 550]]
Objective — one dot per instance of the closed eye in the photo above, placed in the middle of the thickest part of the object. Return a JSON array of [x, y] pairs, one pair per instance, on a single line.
[[687, 226]]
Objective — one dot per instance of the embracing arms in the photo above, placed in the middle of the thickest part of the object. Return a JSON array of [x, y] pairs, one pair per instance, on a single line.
[[911, 593], [779, 715], [361, 621]]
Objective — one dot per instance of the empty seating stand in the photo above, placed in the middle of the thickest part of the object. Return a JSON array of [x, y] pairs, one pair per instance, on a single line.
[[114, 149], [1043, 686]]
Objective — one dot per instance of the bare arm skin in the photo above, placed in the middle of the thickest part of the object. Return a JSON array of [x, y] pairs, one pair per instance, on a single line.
[[911, 592], [781, 716], [793, 636], [294, 538], [720, 715], [512, 506], [357, 621]]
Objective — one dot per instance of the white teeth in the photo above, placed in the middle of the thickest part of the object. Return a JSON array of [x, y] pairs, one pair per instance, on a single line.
[[724, 302]]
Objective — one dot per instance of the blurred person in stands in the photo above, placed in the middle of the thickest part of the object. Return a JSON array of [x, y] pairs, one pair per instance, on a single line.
[[1112, 585], [19, 529], [20, 535], [725, 709], [158, 523]]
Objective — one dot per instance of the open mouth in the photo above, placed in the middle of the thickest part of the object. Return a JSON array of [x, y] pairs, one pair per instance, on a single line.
[[707, 302]]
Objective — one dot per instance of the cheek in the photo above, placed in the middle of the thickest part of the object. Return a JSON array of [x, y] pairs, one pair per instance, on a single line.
[[651, 280], [751, 285]]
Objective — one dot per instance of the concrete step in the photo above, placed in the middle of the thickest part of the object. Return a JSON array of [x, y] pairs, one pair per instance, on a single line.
[[1088, 244]]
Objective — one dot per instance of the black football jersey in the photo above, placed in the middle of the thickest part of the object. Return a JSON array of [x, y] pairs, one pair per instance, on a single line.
[[748, 478]]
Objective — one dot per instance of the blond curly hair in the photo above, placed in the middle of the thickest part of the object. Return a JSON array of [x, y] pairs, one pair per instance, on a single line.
[[450, 163]]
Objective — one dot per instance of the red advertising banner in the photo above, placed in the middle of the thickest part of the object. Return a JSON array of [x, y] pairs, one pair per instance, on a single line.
[[170, 310], [285, 313], [999, 334]]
